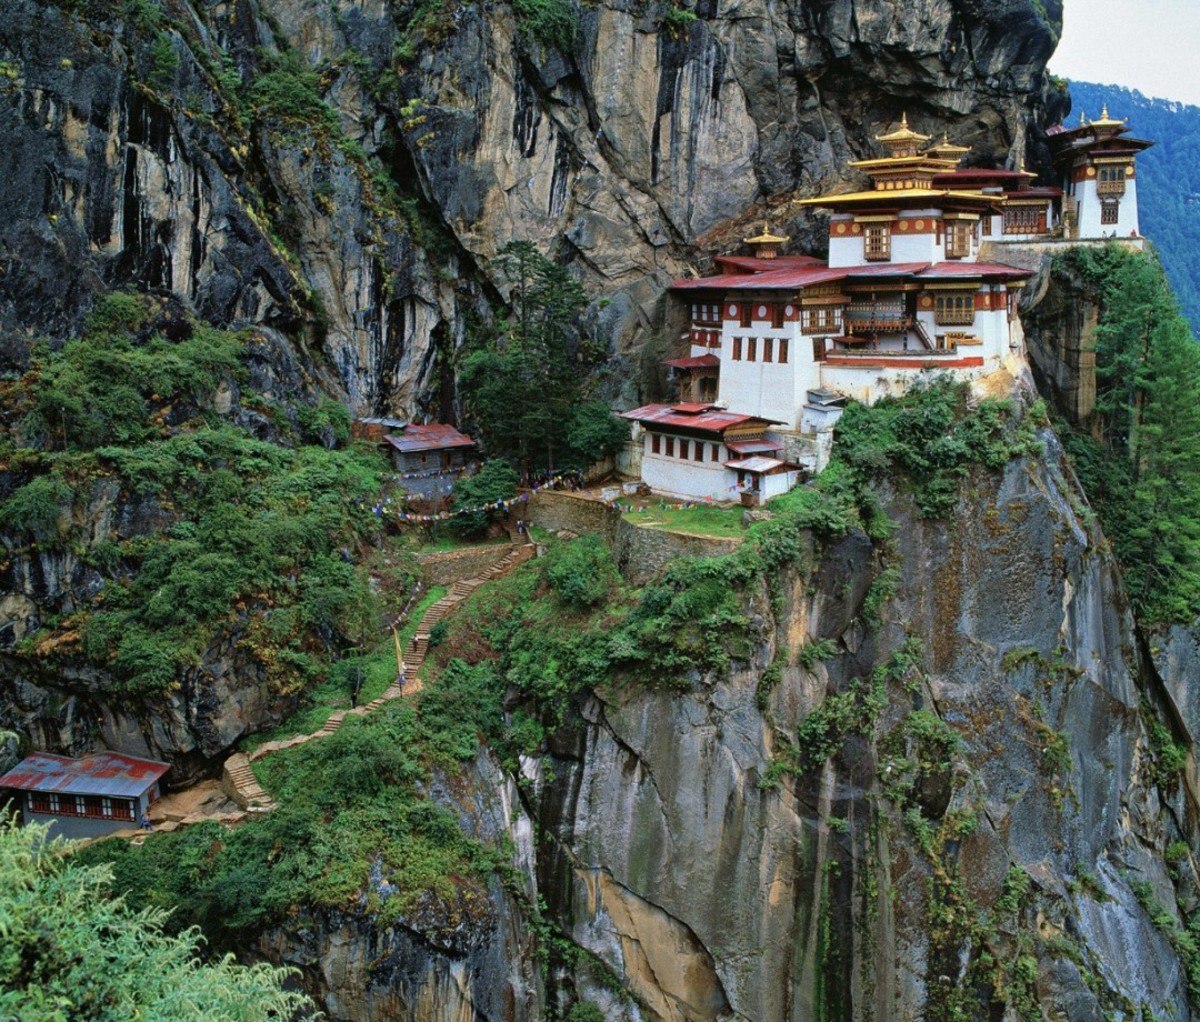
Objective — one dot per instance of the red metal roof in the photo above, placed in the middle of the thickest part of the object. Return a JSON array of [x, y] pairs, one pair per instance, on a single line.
[[968, 271], [753, 446], [779, 279], [1035, 193], [980, 174], [753, 264], [759, 466], [101, 773], [434, 436], [704, 418], [807, 276], [695, 362]]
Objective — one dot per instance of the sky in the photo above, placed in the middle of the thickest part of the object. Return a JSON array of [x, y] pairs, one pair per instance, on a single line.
[[1148, 45]]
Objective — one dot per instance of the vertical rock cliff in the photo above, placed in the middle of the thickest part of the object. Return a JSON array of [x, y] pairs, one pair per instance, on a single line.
[[344, 172]]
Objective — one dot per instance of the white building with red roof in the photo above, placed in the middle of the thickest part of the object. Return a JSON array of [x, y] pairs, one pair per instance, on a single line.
[[775, 342]]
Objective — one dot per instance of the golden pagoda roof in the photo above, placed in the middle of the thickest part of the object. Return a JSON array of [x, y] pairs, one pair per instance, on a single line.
[[1108, 122], [766, 238], [949, 148], [902, 134], [935, 165], [899, 195]]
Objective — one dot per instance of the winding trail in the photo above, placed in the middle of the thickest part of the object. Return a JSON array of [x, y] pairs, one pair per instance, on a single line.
[[237, 777]]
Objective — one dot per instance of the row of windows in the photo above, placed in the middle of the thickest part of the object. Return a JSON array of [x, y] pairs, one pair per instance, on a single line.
[[688, 450], [99, 807], [954, 310], [706, 313], [1024, 220], [877, 240], [774, 349]]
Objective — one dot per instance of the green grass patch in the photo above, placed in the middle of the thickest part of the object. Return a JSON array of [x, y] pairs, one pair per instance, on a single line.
[[696, 521]]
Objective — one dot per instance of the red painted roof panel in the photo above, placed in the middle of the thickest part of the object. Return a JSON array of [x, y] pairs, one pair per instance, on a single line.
[[695, 362], [707, 419], [101, 773], [434, 436]]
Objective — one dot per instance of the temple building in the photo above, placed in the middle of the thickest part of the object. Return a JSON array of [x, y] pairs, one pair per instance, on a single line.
[[1097, 164], [776, 344], [86, 797]]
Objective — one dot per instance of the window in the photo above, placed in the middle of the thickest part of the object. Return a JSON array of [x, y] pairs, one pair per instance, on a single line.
[[767, 345], [655, 444], [955, 310], [751, 348], [783, 349], [744, 314], [683, 449], [1109, 212], [821, 320], [1021, 220], [81, 808], [716, 452], [777, 317], [958, 239], [670, 447], [877, 241], [1111, 181], [737, 349], [987, 226], [698, 451]]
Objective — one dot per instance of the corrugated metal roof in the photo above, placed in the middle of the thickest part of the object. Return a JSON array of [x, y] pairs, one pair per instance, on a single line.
[[753, 446], [695, 362], [708, 420], [788, 278], [967, 271], [753, 264], [758, 465], [433, 436], [101, 773]]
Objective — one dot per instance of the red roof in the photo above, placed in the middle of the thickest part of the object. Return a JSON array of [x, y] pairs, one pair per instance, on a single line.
[[753, 446], [434, 436], [784, 278], [695, 362], [754, 264], [1035, 193], [101, 773], [793, 279], [968, 271], [701, 418]]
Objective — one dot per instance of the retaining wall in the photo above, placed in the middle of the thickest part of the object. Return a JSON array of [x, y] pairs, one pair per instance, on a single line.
[[447, 568], [641, 553]]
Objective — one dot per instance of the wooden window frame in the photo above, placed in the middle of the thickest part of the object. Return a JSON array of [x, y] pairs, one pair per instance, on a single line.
[[777, 317], [1110, 213], [683, 449], [751, 349], [877, 242], [746, 315], [768, 347], [655, 443], [670, 453], [737, 349], [958, 239], [716, 452], [954, 309], [697, 450], [783, 350]]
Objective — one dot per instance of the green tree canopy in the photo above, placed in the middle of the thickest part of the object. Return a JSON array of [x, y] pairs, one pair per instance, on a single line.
[[1141, 467], [71, 951], [522, 386], [495, 481]]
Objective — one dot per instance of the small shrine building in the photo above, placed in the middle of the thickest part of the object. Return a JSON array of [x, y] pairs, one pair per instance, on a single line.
[[86, 797]]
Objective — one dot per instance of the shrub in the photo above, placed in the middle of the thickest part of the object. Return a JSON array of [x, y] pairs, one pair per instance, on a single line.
[[551, 22], [581, 572], [476, 497], [36, 507]]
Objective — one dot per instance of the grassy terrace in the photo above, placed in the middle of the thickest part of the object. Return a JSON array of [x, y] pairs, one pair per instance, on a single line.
[[697, 521]]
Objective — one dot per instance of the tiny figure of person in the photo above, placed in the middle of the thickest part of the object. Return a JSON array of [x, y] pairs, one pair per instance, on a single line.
[[146, 824]]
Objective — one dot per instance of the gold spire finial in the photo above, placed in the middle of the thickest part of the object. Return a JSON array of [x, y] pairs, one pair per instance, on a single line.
[[1104, 112], [1082, 119]]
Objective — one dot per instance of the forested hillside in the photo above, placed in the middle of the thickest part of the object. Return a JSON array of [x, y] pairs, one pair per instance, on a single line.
[[1168, 178]]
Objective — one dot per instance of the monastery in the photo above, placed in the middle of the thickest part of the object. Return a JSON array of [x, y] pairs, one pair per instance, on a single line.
[[777, 344]]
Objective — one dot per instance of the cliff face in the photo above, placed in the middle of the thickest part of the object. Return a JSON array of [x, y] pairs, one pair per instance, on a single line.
[[351, 190], [991, 828]]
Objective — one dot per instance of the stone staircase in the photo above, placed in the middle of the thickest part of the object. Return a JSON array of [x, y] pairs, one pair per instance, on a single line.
[[240, 784], [414, 660]]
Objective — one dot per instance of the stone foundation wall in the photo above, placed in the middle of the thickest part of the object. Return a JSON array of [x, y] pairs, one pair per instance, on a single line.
[[641, 553], [447, 568], [558, 510]]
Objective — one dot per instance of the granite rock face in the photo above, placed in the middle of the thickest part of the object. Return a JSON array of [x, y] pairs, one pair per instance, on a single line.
[[355, 210]]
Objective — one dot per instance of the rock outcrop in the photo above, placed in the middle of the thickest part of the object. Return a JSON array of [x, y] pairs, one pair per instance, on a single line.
[[355, 206]]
